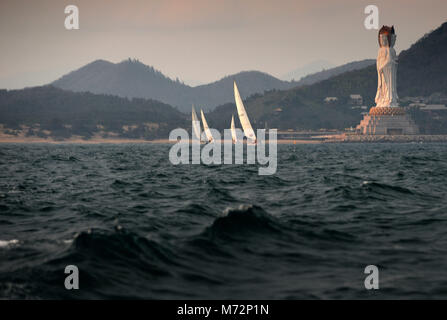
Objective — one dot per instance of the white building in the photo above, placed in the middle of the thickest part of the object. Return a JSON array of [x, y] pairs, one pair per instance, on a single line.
[[434, 107], [330, 99], [356, 99]]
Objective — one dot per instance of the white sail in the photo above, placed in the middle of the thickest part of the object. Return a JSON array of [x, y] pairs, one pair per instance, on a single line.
[[233, 130], [195, 124], [243, 117], [208, 134]]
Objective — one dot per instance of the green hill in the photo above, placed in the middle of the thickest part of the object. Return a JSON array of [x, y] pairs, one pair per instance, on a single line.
[[49, 111], [423, 68]]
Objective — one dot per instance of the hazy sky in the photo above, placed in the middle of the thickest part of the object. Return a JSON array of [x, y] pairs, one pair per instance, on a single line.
[[199, 40]]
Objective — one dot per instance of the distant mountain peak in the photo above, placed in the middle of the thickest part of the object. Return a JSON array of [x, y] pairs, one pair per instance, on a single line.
[[310, 68], [332, 72], [131, 78], [99, 62], [134, 62]]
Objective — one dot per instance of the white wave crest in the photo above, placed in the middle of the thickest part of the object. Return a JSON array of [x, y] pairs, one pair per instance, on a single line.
[[7, 243]]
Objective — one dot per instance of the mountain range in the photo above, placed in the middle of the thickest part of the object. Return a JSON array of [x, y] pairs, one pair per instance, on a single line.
[[131, 78]]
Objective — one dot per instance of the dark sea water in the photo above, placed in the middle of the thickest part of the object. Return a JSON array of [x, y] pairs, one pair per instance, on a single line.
[[138, 227]]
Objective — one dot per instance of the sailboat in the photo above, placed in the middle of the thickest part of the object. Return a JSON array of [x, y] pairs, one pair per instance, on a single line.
[[243, 117], [195, 125], [233, 130], [209, 136]]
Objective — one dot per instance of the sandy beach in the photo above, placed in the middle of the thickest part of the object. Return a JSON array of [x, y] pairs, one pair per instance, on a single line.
[[342, 138], [14, 139]]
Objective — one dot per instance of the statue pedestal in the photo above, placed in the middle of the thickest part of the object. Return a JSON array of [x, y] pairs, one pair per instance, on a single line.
[[387, 121]]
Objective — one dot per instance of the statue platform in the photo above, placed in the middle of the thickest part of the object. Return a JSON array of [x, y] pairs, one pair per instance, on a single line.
[[387, 121]]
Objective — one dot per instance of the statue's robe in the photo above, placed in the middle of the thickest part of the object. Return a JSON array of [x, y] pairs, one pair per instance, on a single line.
[[386, 71]]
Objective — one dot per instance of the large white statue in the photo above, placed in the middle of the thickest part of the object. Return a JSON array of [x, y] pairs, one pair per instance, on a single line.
[[386, 69]]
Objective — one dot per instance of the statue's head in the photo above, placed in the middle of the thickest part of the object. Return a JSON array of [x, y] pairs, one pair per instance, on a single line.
[[387, 37]]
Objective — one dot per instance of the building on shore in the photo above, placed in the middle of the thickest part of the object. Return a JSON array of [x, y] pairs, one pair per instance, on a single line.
[[330, 99], [433, 107], [355, 99]]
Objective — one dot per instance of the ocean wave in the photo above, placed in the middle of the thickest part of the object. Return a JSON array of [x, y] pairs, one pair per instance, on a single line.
[[196, 209], [59, 157], [381, 187], [108, 261], [370, 190], [316, 220], [8, 243], [121, 245], [243, 221]]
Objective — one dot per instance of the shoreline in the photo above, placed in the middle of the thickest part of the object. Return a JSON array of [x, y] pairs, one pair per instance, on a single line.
[[343, 138], [419, 138], [4, 140]]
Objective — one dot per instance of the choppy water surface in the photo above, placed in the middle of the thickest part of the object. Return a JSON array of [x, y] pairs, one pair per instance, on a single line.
[[138, 227]]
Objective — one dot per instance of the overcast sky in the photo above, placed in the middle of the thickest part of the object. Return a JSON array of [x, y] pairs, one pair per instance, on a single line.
[[199, 40]]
